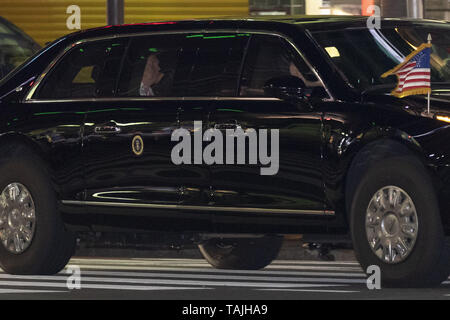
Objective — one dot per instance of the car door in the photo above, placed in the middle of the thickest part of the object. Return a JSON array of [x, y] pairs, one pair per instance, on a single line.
[[127, 139], [214, 74], [295, 184]]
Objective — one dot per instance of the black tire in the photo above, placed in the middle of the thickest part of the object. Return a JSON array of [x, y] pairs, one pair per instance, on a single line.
[[51, 246], [242, 254], [428, 263]]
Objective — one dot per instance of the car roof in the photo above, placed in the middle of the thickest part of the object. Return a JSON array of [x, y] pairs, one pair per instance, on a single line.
[[310, 22]]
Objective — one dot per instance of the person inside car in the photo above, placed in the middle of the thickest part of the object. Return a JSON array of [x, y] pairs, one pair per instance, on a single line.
[[156, 80], [152, 76]]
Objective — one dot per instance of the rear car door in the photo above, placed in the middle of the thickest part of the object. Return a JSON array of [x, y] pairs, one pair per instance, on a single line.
[[127, 140], [83, 73]]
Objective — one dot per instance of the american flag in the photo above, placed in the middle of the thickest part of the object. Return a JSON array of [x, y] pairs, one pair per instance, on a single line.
[[413, 74]]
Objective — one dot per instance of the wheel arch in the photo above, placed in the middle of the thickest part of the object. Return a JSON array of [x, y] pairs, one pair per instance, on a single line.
[[376, 144], [14, 138]]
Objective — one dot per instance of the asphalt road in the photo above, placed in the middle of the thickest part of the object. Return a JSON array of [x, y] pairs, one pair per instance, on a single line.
[[188, 279]]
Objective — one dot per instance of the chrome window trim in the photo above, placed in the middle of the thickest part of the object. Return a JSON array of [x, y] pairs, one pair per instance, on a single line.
[[112, 99], [41, 77], [197, 208]]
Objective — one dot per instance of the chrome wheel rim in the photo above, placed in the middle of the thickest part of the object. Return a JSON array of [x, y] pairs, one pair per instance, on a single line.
[[17, 218], [391, 224]]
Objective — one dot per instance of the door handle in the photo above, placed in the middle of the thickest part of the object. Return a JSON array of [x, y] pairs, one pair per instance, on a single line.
[[107, 128], [223, 126]]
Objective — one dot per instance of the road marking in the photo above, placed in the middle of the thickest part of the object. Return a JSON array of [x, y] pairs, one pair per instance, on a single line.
[[174, 260], [178, 281], [7, 291], [200, 262], [192, 274], [312, 262], [209, 269], [311, 290], [94, 286], [261, 275], [157, 276]]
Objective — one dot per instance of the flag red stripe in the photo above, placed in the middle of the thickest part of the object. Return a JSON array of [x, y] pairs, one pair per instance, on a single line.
[[406, 72], [409, 82], [416, 80], [414, 87], [416, 74], [421, 79], [427, 83], [406, 68]]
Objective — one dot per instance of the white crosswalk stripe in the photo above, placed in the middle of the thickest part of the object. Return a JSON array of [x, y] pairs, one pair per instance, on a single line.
[[192, 274]]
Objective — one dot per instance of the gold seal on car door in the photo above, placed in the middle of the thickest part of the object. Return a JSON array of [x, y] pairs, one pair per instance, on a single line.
[[137, 145]]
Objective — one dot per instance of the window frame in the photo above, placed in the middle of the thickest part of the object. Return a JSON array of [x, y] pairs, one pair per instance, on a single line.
[[289, 45], [194, 64], [31, 95], [57, 61]]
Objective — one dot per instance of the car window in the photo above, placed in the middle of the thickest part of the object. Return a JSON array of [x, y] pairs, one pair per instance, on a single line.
[[364, 55], [217, 65], [15, 47], [182, 65], [88, 70], [150, 66], [271, 57], [13, 52]]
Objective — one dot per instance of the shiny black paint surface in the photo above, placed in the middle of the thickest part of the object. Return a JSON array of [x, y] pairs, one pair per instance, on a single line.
[[298, 183], [318, 142], [54, 131], [113, 172]]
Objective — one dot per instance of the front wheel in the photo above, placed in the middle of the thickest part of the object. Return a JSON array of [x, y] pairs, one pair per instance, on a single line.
[[33, 239], [396, 224], [243, 254]]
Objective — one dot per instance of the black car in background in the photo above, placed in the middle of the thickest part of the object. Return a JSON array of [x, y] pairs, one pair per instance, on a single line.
[[15, 47], [86, 125]]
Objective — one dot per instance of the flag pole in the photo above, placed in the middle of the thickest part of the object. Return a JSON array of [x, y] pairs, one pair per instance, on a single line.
[[429, 91]]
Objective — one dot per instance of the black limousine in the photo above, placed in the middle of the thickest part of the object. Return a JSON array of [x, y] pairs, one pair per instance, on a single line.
[[86, 140]]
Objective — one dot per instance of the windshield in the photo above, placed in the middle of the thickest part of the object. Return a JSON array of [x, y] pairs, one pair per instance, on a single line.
[[363, 55]]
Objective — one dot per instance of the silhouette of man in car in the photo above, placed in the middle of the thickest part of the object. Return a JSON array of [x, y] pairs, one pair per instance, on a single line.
[[154, 82]]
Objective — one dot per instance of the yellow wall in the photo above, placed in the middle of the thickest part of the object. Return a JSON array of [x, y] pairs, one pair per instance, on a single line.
[[153, 10], [45, 20]]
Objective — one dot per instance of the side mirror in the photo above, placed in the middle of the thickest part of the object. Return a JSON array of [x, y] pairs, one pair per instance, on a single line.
[[287, 88]]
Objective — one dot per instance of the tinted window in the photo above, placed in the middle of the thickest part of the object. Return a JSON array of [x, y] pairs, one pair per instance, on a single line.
[[271, 57], [155, 66], [15, 47], [363, 55], [88, 70], [217, 66], [183, 65]]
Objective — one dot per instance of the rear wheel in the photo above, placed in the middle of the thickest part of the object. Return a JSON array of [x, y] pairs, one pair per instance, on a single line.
[[396, 224], [33, 239], [244, 254]]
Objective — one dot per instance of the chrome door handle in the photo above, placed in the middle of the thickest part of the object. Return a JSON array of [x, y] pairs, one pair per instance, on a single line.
[[223, 126], [107, 129]]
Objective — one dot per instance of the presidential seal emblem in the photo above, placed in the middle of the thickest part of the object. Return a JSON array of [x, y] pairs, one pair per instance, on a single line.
[[137, 145]]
